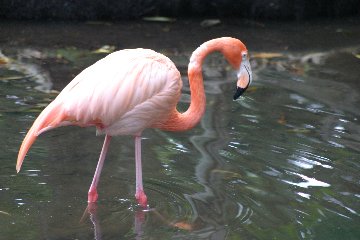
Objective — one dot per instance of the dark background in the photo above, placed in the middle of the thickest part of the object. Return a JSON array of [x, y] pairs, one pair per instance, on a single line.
[[135, 9]]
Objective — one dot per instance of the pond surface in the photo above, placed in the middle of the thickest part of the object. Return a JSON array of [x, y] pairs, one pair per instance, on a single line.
[[280, 163]]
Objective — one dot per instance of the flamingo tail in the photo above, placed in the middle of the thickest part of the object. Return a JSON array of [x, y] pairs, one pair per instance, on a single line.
[[50, 117]]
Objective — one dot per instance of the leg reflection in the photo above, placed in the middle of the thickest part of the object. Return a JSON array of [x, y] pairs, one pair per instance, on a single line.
[[91, 211], [138, 223], [91, 214]]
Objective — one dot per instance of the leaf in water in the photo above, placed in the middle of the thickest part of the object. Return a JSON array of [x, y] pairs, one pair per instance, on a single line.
[[3, 59], [210, 22], [159, 19], [267, 55], [54, 92], [11, 78], [105, 49], [183, 226], [32, 53], [297, 69], [252, 89], [282, 119], [180, 225], [357, 55], [5, 213], [227, 174], [71, 54]]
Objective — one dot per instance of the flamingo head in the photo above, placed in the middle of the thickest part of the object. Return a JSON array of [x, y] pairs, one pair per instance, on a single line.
[[244, 75], [237, 55]]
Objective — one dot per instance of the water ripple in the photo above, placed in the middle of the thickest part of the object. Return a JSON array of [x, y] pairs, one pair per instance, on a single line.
[[308, 182]]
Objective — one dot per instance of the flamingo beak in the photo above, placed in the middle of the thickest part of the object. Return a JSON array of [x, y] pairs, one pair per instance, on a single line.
[[244, 78]]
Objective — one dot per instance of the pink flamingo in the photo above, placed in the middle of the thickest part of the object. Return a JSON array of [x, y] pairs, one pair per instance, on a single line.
[[131, 90]]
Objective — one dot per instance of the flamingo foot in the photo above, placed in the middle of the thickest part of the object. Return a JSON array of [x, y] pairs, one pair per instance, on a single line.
[[141, 198], [92, 195]]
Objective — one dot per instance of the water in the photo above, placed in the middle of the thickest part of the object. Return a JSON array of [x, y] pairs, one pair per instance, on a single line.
[[280, 163]]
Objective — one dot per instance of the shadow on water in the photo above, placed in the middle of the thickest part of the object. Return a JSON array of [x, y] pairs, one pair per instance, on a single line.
[[280, 163]]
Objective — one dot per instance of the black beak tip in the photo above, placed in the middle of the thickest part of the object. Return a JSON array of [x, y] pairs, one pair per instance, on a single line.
[[239, 92]]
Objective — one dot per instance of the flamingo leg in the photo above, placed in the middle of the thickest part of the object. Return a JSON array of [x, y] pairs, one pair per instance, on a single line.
[[92, 195], [139, 194]]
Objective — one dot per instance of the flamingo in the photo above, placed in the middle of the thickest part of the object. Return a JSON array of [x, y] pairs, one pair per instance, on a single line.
[[131, 90]]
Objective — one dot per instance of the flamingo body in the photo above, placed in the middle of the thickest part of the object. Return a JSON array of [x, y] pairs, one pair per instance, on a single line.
[[129, 91], [147, 88], [123, 93]]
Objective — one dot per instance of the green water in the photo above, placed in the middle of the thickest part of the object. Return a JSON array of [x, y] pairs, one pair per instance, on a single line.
[[280, 163]]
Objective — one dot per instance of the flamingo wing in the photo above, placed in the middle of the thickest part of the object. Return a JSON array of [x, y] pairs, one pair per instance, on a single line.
[[121, 94], [126, 92]]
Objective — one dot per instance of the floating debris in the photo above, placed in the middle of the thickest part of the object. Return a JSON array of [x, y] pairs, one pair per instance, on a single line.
[[210, 22], [183, 226], [282, 119], [357, 55], [227, 174], [159, 19], [5, 213], [7, 78], [267, 55], [105, 49], [299, 130], [3, 59]]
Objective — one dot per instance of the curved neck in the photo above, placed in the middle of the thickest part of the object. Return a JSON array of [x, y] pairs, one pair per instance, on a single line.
[[187, 120]]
